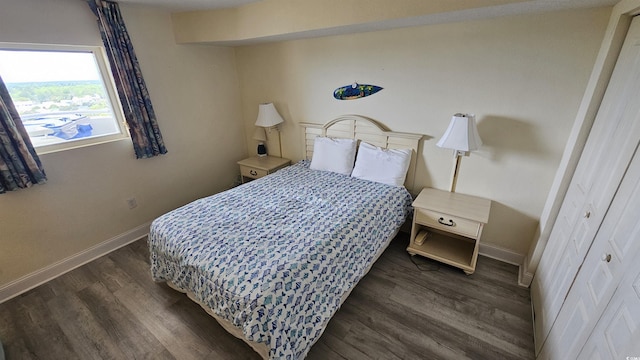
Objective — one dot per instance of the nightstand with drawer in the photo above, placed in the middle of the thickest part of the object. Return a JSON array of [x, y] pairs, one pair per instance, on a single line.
[[259, 166], [447, 227]]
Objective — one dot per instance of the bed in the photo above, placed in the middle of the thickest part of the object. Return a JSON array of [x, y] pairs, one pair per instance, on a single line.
[[272, 260]]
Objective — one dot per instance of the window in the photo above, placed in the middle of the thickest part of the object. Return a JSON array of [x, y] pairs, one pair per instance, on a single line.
[[64, 95]]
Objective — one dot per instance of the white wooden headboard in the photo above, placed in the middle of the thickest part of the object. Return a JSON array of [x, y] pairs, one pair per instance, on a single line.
[[367, 130]]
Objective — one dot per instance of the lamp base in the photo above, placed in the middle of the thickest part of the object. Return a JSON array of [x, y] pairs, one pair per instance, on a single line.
[[262, 150]]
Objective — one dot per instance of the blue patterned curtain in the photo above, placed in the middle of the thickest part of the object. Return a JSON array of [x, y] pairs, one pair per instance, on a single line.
[[20, 166], [139, 114]]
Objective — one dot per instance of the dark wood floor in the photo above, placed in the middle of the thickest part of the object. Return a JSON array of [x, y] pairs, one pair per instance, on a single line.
[[403, 309]]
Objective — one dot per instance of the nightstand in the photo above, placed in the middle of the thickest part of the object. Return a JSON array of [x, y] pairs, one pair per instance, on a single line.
[[447, 227], [259, 166]]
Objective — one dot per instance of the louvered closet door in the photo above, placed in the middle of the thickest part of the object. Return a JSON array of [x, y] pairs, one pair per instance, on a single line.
[[613, 254], [607, 153]]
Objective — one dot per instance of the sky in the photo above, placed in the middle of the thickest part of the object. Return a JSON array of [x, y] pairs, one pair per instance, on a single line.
[[37, 66]]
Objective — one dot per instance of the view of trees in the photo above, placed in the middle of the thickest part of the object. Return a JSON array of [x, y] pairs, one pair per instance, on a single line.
[[34, 97], [53, 91]]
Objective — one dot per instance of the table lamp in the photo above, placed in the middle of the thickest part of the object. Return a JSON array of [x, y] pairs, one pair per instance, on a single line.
[[461, 136], [268, 118]]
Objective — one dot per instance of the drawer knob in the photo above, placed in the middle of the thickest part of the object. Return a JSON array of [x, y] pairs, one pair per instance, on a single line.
[[450, 223], [253, 172]]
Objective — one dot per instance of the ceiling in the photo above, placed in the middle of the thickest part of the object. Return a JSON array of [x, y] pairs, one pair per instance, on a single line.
[[189, 5], [193, 11]]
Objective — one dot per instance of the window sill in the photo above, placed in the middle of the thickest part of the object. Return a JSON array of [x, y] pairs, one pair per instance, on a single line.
[[54, 148]]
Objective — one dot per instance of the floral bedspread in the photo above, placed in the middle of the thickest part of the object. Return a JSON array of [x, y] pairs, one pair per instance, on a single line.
[[276, 255]]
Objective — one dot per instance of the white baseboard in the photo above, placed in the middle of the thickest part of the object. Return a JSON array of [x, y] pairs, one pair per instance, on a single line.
[[54, 270], [502, 254], [525, 277]]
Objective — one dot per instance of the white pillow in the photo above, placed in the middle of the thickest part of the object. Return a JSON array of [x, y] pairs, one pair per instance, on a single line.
[[380, 165], [335, 155]]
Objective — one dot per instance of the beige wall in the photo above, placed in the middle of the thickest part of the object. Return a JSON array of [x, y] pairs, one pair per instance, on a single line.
[[195, 94], [523, 76]]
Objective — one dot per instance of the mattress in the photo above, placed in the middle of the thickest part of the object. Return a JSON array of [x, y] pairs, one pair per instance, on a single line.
[[275, 257]]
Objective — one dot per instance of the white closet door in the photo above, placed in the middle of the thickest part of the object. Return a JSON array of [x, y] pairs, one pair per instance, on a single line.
[[617, 332], [614, 254], [605, 157]]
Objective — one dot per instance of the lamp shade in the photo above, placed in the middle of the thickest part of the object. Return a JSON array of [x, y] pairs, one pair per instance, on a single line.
[[268, 116], [462, 134]]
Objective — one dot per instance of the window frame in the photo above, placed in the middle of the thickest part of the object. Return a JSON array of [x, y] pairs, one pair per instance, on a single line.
[[104, 70]]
